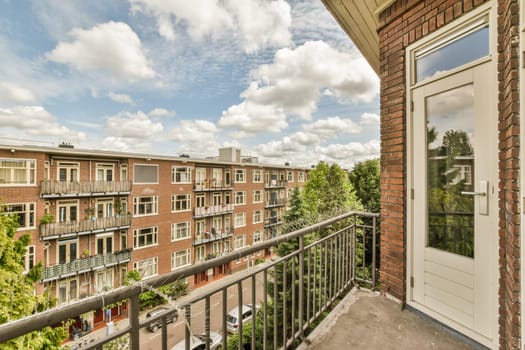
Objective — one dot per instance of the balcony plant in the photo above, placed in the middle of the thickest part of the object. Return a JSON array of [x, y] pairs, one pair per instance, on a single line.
[[47, 218]]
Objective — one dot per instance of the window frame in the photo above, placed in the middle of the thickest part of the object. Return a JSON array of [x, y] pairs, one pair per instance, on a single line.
[[29, 214], [175, 230], [239, 220], [30, 172], [174, 258], [154, 206], [175, 173], [175, 200], [239, 175], [140, 266], [138, 234], [145, 165], [240, 198]]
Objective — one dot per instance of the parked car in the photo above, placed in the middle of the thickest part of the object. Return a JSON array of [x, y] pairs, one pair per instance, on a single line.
[[198, 342], [155, 325], [232, 318]]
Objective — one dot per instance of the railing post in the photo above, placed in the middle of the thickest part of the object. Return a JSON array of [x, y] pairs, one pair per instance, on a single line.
[[373, 253], [187, 330], [301, 285], [134, 323]]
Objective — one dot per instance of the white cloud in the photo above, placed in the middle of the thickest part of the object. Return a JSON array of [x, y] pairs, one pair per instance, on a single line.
[[293, 83], [369, 119], [111, 46], [332, 126], [36, 121], [121, 98], [133, 126], [353, 151], [125, 144], [161, 112], [15, 94], [252, 118], [257, 23], [196, 137]]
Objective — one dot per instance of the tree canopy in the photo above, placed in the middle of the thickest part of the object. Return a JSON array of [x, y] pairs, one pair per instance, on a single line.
[[365, 177]]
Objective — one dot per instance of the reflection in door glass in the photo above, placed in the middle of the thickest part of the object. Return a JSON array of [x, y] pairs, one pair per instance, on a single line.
[[450, 170]]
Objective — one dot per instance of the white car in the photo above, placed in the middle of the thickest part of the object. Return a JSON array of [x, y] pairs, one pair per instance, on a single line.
[[232, 318], [198, 342]]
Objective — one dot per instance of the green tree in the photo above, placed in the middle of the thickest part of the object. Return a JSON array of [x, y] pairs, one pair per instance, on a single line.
[[17, 298], [366, 182]]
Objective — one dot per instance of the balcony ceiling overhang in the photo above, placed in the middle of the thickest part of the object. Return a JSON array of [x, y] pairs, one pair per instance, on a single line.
[[359, 19]]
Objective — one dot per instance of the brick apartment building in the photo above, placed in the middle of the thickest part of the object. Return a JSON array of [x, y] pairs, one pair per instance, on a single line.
[[95, 215]]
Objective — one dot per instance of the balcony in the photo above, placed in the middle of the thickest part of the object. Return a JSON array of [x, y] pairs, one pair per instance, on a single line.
[[277, 202], [62, 189], [291, 292], [276, 184], [85, 264], [84, 227], [274, 221], [202, 212], [211, 185], [207, 237]]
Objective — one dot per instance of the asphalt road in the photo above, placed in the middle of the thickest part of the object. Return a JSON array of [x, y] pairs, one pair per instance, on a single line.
[[153, 341]]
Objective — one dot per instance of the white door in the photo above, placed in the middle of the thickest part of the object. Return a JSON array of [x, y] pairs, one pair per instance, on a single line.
[[454, 213]]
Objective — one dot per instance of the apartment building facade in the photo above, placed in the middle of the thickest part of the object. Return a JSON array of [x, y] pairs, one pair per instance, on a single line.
[[93, 216]]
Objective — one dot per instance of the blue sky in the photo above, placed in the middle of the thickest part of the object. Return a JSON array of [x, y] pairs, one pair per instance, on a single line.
[[279, 79]]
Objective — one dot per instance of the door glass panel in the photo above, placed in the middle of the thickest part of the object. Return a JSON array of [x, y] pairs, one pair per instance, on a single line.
[[450, 170]]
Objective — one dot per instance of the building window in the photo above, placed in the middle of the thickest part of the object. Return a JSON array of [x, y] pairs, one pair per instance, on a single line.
[[147, 267], [200, 252], [257, 217], [240, 175], [180, 202], [24, 212], [216, 225], [239, 241], [67, 251], [240, 219], [200, 227], [257, 237], [123, 172], [300, 176], [200, 200], [105, 172], [68, 172], [29, 258], [289, 176], [217, 198], [145, 237], [181, 175], [145, 206], [104, 207], [257, 175], [17, 172], [67, 290], [240, 197], [227, 198], [105, 244], [67, 211], [145, 174], [217, 177], [180, 230], [257, 196], [180, 259], [123, 240], [104, 280]]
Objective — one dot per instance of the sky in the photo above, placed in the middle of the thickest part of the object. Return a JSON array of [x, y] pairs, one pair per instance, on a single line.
[[278, 79]]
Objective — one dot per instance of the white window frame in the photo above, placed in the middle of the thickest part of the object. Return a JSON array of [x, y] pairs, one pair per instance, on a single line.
[[143, 233], [257, 237], [29, 214], [29, 168], [181, 174], [68, 297], [257, 196], [104, 280], [240, 198], [142, 266], [104, 238], [240, 219], [146, 165], [180, 231], [240, 175], [180, 259], [69, 166], [67, 205], [154, 202], [68, 243], [29, 258], [105, 168], [300, 176], [184, 200], [257, 175], [257, 216], [200, 252]]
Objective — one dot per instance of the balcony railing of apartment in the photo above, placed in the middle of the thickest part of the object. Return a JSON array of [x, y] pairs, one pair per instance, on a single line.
[[273, 221], [208, 237], [63, 189], [278, 202], [211, 185], [200, 212], [85, 264], [276, 184], [294, 290], [84, 227]]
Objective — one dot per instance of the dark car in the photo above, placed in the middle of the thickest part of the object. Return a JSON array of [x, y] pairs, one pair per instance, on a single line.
[[155, 325]]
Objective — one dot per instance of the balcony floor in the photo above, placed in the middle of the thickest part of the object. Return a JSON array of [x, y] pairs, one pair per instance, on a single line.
[[366, 320]]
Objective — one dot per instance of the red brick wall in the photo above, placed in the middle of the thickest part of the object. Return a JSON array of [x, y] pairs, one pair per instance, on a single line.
[[405, 22], [509, 127]]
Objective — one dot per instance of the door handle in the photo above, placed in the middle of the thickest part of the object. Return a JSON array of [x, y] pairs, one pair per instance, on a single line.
[[467, 193]]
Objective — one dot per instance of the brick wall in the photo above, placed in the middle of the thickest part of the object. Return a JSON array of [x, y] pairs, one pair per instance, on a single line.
[[508, 126], [405, 22]]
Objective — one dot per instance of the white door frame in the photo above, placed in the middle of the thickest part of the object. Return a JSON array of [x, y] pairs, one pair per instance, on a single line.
[[490, 9]]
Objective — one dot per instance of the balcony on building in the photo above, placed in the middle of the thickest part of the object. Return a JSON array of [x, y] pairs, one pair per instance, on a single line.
[[276, 184], [201, 212], [275, 202], [62, 189], [212, 236], [211, 185], [273, 221], [86, 264], [87, 226]]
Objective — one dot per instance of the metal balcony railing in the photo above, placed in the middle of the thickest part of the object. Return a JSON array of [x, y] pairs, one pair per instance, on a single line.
[[201, 212], [276, 184], [211, 185], [277, 202], [85, 264], [59, 189], [84, 227], [273, 221], [207, 237], [294, 291]]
